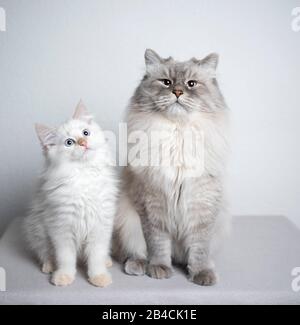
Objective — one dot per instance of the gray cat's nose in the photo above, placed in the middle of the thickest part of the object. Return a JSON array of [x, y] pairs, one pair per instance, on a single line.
[[177, 92]]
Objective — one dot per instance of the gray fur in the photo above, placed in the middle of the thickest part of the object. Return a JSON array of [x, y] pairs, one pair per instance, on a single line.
[[164, 215]]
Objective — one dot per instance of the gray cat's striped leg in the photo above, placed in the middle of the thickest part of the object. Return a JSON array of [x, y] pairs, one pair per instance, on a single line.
[[135, 266], [200, 266], [159, 250]]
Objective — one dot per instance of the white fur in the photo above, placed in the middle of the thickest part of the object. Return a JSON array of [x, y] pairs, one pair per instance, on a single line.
[[72, 213]]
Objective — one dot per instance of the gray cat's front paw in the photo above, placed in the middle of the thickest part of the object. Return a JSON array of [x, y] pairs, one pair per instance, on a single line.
[[135, 266], [205, 278], [159, 271]]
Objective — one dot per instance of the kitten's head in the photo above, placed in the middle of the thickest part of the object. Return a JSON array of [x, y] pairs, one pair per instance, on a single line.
[[78, 139], [176, 87]]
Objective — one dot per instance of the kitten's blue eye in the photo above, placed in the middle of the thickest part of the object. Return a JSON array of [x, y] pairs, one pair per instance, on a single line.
[[86, 133], [69, 142], [166, 82]]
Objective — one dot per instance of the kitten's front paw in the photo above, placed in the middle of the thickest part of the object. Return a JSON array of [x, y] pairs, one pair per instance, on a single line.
[[135, 266], [159, 271], [62, 279], [47, 267], [109, 262], [205, 278], [101, 280]]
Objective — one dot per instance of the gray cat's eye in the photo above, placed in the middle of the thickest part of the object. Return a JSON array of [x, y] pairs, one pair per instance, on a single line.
[[166, 82], [69, 142], [192, 83]]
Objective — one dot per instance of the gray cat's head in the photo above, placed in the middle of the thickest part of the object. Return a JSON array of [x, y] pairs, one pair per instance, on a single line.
[[174, 87]]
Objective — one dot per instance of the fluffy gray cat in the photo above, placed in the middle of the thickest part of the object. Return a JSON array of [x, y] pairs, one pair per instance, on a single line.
[[173, 210]]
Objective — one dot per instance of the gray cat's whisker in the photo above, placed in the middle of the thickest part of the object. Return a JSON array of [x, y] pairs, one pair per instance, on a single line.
[[153, 103]]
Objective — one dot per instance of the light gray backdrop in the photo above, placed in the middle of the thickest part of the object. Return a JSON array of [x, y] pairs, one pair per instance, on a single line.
[[57, 51]]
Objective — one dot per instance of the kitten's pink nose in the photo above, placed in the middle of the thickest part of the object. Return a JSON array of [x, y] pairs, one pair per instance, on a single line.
[[177, 92], [82, 142]]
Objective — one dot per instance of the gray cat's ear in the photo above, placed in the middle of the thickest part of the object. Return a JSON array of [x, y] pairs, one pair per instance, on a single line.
[[45, 134], [210, 61], [152, 58], [81, 113]]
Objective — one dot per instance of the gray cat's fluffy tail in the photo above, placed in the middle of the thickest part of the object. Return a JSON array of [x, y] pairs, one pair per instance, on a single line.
[[128, 241]]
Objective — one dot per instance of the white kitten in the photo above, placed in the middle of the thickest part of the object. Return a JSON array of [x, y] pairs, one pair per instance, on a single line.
[[72, 214]]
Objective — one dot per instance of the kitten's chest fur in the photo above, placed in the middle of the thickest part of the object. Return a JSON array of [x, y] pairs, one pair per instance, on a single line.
[[79, 193]]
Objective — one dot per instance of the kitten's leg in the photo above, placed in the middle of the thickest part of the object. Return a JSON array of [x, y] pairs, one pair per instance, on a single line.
[[109, 262], [47, 261], [48, 266], [45, 257], [36, 238], [65, 254], [97, 256]]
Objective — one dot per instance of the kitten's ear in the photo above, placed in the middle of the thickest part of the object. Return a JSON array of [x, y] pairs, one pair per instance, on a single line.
[[210, 61], [81, 113], [152, 58], [46, 135]]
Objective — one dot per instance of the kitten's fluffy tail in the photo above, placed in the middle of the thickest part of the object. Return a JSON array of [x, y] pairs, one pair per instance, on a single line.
[[129, 241]]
